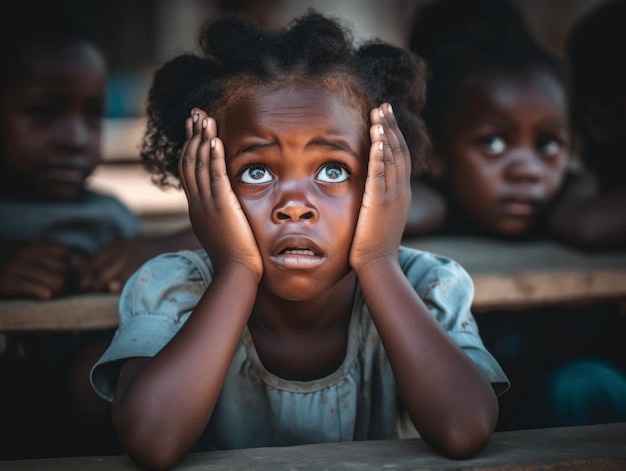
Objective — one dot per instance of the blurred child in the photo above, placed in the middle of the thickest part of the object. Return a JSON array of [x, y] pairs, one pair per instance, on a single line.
[[429, 208], [497, 111], [56, 236], [303, 320], [498, 117], [592, 214]]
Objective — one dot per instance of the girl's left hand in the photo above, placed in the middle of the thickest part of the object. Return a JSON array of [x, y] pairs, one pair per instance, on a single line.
[[387, 195]]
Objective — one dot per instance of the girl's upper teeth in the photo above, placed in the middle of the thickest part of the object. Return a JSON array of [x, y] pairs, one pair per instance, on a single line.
[[299, 252]]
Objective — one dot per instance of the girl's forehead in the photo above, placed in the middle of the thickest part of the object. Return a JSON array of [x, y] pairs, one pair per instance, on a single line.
[[300, 102]]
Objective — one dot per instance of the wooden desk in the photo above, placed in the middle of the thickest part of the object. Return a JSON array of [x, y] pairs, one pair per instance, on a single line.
[[506, 276], [594, 447], [511, 275]]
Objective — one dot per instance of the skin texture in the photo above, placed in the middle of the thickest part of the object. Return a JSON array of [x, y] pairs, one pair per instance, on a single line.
[[506, 150], [51, 126], [294, 168]]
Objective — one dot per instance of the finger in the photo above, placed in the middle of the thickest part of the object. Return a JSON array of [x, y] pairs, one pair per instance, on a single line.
[[397, 144], [203, 157], [220, 184], [187, 162], [196, 115], [34, 284]]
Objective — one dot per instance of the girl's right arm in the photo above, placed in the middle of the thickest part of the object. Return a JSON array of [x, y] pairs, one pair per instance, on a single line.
[[163, 404]]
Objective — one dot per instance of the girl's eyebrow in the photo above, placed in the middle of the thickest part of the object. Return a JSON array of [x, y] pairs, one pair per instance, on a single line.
[[251, 148], [340, 145], [333, 145]]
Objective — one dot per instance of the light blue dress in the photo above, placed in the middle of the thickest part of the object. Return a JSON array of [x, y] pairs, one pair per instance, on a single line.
[[359, 401]]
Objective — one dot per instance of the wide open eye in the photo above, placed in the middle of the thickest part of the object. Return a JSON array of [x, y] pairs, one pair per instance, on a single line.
[[256, 175], [332, 173]]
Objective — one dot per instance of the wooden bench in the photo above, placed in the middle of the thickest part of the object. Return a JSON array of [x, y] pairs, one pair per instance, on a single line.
[[588, 448], [506, 275]]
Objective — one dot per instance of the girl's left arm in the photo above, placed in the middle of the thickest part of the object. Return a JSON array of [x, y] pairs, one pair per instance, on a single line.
[[451, 403]]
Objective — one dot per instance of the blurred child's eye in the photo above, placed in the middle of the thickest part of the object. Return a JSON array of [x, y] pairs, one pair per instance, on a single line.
[[255, 175], [550, 147], [493, 144], [332, 173]]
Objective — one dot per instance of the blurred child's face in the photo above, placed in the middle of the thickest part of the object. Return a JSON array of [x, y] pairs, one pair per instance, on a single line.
[[297, 161], [507, 149], [51, 120]]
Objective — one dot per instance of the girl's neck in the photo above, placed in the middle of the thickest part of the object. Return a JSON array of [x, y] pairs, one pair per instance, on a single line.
[[329, 310], [303, 341]]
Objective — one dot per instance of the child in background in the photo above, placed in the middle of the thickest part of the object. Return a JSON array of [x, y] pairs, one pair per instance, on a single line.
[[56, 236], [591, 214], [497, 110], [303, 320]]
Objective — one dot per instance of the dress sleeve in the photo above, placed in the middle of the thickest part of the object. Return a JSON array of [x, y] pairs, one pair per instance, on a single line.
[[155, 302], [448, 291]]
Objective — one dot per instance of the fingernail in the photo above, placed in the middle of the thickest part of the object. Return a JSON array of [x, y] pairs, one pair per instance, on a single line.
[[205, 123], [196, 116], [380, 146], [381, 130], [380, 113], [390, 109], [212, 143]]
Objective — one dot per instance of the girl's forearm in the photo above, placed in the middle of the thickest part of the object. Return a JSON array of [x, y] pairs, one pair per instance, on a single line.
[[451, 403], [161, 410]]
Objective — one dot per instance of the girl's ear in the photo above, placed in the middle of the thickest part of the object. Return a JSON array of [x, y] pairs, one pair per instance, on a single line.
[[599, 121]]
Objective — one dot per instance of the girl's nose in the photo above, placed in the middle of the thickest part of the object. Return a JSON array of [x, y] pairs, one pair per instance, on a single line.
[[294, 211], [294, 205]]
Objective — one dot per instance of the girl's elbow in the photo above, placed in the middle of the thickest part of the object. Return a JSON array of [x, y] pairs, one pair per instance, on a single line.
[[464, 445], [466, 437], [154, 451]]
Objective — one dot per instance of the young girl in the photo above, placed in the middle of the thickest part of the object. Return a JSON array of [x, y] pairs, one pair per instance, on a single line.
[[304, 321]]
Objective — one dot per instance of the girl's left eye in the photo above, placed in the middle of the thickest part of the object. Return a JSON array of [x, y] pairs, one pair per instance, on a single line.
[[332, 173], [256, 175]]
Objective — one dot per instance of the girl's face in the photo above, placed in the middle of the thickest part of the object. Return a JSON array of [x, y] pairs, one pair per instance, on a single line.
[[51, 123], [506, 149], [297, 160]]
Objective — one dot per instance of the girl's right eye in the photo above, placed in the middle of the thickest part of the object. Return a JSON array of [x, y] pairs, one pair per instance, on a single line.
[[255, 175], [494, 145]]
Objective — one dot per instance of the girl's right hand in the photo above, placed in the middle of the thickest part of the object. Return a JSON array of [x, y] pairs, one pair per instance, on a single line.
[[214, 210]]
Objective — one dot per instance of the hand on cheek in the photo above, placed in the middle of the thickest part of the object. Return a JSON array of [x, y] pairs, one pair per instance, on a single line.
[[387, 194], [214, 210]]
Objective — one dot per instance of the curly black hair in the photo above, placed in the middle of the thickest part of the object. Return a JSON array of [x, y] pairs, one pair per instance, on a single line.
[[314, 50]]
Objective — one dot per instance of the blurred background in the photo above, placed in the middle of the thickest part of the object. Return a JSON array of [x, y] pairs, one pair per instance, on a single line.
[[139, 35]]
